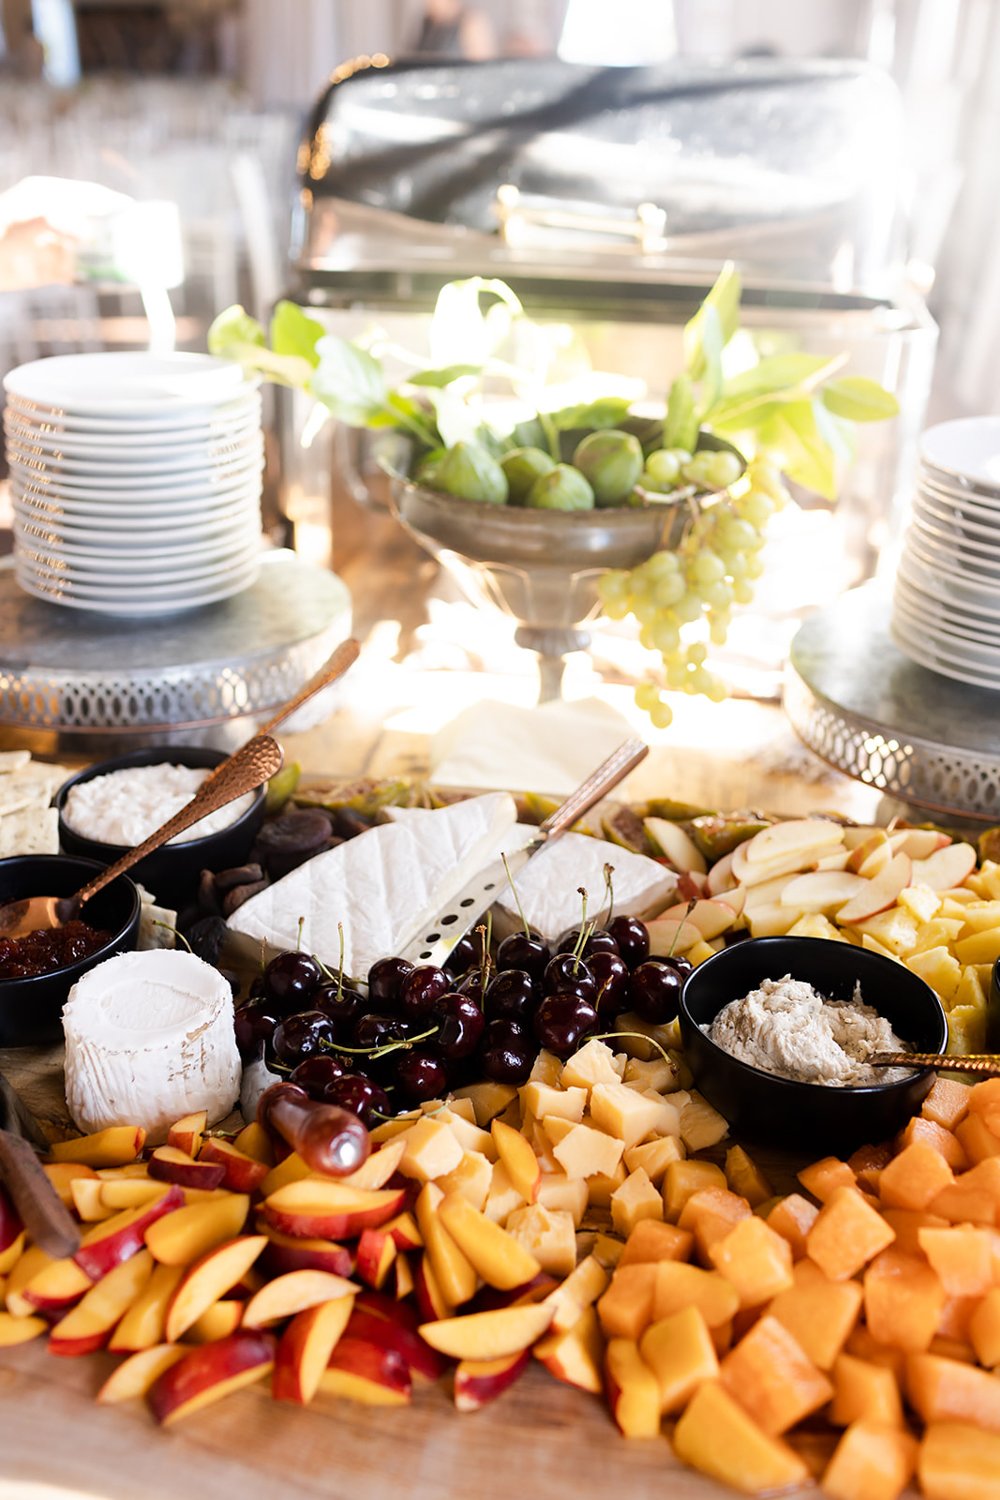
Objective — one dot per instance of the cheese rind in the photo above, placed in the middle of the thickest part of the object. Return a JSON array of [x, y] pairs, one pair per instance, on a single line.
[[149, 1038]]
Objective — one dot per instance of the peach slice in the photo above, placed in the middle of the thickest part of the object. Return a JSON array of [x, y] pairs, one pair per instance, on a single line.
[[496, 1256], [286, 1252], [947, 867], [216, 1322], [365, 1372], [304, 1350], [240, 1173], [190, 1232], [16, 1330], [61, 1174], [291, 1169], [478, 1382], [29, 1264], [294, 1293], [57, 1286], [489, 1335], [87, 1202], [131, 1192], [323, 1207], [135, 1375], [454, 1273], [186, 1133], [209, 1372], [880, 893], [404, 1231], [107, 1148], [580, 1290], [516, 1154], [431, 1300], [253, 1140], [116, 1239], [398, 1333], [376, 1255], [88, 1326], [823, 890], [171, 1164], [632, 1389], [402, 1277], [143, 1324], [208, 1279], [575, 1355]]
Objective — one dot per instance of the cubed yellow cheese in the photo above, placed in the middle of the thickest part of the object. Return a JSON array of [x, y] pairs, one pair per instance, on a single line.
[[601, 1186], [557, 1128], [489, 1099], [594, 1063], [585, 1152], [701, 1125], [658, 1073], [461, 1106], [431, 1150], [503, 1196], [921, 901], [547, 1068], [938, 969], [631, 1116], [549, 1235], [654, 1157], [636, 1199], [557, 1191], [542, 1099], [473, 1178], [468, 1133]]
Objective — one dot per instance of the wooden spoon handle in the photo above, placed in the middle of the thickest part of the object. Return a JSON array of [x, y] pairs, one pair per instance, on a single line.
[[335, 666], [986, 1064], [256, 762]]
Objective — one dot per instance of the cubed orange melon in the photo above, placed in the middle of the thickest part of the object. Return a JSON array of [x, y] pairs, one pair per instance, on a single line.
[[678, 1286], [820, 1313], [681, 1354], [717, 1436], [863, 1346], [933, 1134], [746, 1178], [984, 1097], [903, 1300], [626, 1308], [863, 1389], [652, 1240], [755, 1260], [684, 1178], [822, 1177], [956, 1316], [792, 1218], [868, 1163], [948, 1390], [769, 1373], [952, 1349], [872, 1461], [977, 1138], [907, 1223], [847, 1234], [962, 1256], [710, 1214], [947, 1103], [914, 1177], [957, 1461], [984, 1329]]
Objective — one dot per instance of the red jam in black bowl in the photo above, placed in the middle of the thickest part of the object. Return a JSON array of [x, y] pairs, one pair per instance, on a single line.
[[45, 951]]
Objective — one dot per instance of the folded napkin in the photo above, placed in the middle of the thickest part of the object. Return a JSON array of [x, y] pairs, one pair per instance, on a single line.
[[550, 748]]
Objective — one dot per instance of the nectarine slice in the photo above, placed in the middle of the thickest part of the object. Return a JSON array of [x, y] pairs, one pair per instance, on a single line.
[[575, 1355], [488, 1335], [143, 1324], [107, 1148], [454, 1273], [478, 1382], [19, 1330], [190, 1232], [365, 1372], [305, 1348], [135, 1375], [217, 1322], [522, 1165], [209, 1372], [88, 1326], [208, 1279], [171, 1164], [317, 1206], [294, 1293], [500, 1259], [114, 1240]]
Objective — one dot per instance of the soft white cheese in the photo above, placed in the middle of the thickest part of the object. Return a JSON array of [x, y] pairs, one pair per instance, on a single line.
[[382, 886], [149, 1037], [124, 807]]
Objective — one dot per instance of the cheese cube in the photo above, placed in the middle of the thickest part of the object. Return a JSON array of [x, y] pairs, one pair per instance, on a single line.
[[636, 1199], [938, 969], [579, 1291], [654, 1157], [631, 1116], [549, 1235], [473, 1178], [658, 1074], [701, 1125], [464, 1108], [600, 1187], [547, 1068], [568, 1194], [594, 1063], [542, 1099], [431, 1150], [921, 901], [489, 1099], [503, 1197], [467, 1133], [557, 1127], [585, 1152]]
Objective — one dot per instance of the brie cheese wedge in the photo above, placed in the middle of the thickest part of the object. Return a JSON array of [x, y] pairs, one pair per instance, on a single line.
[[382, 887], [149, 1038]]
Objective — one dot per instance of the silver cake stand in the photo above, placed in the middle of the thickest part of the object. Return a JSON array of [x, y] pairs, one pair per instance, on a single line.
[[854, 698], [202, 677]]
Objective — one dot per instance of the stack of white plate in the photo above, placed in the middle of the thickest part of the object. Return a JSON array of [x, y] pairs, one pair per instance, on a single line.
[[135, 480], [946, 606]]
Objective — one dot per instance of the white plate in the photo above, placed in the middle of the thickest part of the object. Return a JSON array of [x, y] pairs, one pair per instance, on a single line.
[[154, 502], [956, 558], [190, 533], [944, 613], [936, 661], [157, 582], [73, 469], [178, 513], [966, 448], [198, 419], [960, 540], [137, 610], [952, 592], [922, 622], [958, 524], [116, 440], [130, 488], [113, 553], [983, 665], [977, 508], [136, 383]]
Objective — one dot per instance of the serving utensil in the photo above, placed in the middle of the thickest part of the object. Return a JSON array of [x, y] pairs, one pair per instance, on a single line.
[[985, 1064], [41, 1210], [256, 762], [330, 1140]]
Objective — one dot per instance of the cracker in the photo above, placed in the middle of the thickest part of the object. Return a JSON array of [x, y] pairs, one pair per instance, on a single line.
[[29, 831]]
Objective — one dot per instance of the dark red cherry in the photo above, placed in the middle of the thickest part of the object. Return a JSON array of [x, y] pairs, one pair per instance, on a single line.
[[611, 977], [300, 1036], [567, 975], [562, 1021], [385, 980], [508, 1052], [341, 1002], [356, 1092], [599, 941], [254, 1022], [460, 1026], [518, 951], [421, 1076], [466, 952], [317, 1071], [421, 987], [654, 990], [290, 979], [372, 1031], [512, 993], [632, 937]]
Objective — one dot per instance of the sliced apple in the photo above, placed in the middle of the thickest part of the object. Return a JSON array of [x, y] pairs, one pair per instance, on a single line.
[[575, 1355], [209, 1372], [375, 1256], [822, 891], [322, 1207], [57, 1286], [135, 1375], [61, 1174], [478, 1382], [781, 840], [187, 1234], [712, 918], [773, 920], [720, 877], [293, 1293], [735, 899], [107, 1148], [880, 893], [397, 1333], [670, 936], [678, 847], [859, 849], [240, 1173], [87, 1201], [143, 1324], [453, 1271], [366, 1372], [918, 843], [380, 1166], [948, 866], [286, 1252], [770, 869], [500, 1259], [216, 1322], [304, 1350], [88, 1326], [116, 1239], [878, 860], [171, 1164], [18, 1330], [488, 1335], [835, 861], [186, 1133], [208, 1279]]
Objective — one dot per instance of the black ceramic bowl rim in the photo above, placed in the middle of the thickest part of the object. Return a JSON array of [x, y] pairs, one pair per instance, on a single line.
[[798, 1086], [87, 869], [127, 762]]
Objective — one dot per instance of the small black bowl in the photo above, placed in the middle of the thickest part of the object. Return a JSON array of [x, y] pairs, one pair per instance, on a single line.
[[31, 1009], [171, 873], [809, 1117]]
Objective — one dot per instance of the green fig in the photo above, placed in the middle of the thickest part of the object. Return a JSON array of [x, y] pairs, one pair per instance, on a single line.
[[470, 473], [522, 467], [611, 462], [563, 488]]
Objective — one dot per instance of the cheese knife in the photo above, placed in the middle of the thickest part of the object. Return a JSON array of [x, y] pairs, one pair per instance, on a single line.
[[41, 1210], [479, 894]]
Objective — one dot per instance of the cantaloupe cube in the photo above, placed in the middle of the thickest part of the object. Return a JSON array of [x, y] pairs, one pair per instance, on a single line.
[[976, 1137], [820, 1313], [908, 1224], [710, 1214], [985, 1096], [957, 1461], [680, 1352], [585, 1152], [685, 1178], [863, 1346], [792, 1218], [626, 1308], [934, 1135], [872, 1461], [746, 1178], [962, 1258], [632, 1390], [769, 1374], [914, 1177], [847, 1234], [635, 1200], [550, 1236], [952, 1349], [606, 1248], [755, 1259], [868, 1163], [542, 1099], [593, 1063], [903, 1300], [716, 1436], [677, 1286], [948, 1390], [603, 1184], [864, 1390], [947, 1103], [955, 1318], [974, 1198], [654, 1157], [984, 1329], [651, 1241], [822, 1177]]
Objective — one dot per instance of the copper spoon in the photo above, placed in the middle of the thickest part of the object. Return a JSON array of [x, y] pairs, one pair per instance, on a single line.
[[335, 666], [987, 1064], [256, 762]]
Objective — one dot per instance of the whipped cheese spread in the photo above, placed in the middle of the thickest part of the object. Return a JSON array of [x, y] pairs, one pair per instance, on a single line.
[[126, 806], [788, 1028]]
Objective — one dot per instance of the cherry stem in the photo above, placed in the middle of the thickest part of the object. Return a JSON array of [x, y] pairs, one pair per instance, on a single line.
[[178, 935], [298, 936], [609, 1036], [581, 941], [374, 1053], [690, 908], [340, 980], [517, 899], [609, 886]]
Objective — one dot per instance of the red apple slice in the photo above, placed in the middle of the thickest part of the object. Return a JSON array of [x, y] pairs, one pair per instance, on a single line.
[[240, 1173], [171, 1164], [209, 1372], [835, 861], [860, 849], [949, 866], [294, 1293], [321, 1207], [712, 918], [735, 899], [366, 1372], [690, 886], [678, 847], [918, 843], [478, 1382], [876, 861], [860, 833], [771, 921], [880, 893], [488, 1335], [120, 1237], [135, 1375], [670, 936], [823, 890], [304, 1350], [88, 1326], [208, 1279], [720, 877], [794, 837]]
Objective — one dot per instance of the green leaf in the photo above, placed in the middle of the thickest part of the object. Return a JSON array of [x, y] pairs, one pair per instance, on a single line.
[[235, 335], [442, 377], [293, 332], [778, 372], [724, 300], [599, 415], [711, 347], [349, 381], [233, 329], [460, 331], [680, 430], [792, 438], [859, 399]]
